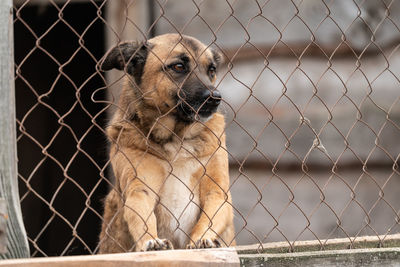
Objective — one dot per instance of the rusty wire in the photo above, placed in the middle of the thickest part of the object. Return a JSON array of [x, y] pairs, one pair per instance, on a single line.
[[276, 166]]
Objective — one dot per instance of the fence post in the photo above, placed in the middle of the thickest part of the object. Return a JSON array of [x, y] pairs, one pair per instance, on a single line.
[[17, 246]]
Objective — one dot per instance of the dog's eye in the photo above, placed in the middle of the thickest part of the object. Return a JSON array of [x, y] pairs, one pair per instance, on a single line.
[[178, 67], [212, 71]]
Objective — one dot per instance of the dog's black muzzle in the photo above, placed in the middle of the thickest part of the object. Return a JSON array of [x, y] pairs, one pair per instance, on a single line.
[[198, 104], [209, 103]]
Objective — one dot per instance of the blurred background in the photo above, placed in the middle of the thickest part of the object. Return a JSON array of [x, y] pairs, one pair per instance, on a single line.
[[311, 99]]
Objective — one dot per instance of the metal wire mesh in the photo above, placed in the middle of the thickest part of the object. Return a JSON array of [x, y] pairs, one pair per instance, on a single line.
[[310, 96]]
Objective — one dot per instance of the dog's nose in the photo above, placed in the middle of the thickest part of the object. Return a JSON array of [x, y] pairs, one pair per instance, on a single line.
[[212, 97]]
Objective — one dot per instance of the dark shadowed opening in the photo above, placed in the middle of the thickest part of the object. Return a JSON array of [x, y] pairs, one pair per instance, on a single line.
[[60, 151]]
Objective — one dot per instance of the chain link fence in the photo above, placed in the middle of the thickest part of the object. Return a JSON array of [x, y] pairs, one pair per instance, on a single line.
[[310, 98]]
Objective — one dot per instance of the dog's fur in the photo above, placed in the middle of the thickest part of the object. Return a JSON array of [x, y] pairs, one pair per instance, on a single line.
[[167, 150]]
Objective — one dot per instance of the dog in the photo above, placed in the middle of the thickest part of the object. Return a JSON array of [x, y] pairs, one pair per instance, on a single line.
[[168, 150]]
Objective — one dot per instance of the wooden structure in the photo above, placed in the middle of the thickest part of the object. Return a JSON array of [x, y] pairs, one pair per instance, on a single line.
[[225, 257], [17, 246]]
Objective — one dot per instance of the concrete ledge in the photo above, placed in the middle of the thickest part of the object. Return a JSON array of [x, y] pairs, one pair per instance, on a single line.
[[349, 257], [318, 245], [225, 257]]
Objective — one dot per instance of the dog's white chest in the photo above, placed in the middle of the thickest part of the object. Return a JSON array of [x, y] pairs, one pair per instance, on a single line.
[[179, 198]]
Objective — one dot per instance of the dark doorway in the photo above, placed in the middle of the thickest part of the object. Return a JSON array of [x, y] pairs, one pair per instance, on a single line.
[[61, 152]]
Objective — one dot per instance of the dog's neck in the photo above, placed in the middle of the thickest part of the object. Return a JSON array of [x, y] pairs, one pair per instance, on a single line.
[[163, 128], [164, 136]]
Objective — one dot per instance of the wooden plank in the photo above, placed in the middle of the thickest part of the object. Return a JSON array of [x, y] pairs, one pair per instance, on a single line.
[[3, 225], [304, 49], [17, 242], [224, 257]]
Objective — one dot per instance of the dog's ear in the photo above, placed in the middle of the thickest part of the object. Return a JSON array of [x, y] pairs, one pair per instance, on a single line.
[[218, 57], [129, 56]]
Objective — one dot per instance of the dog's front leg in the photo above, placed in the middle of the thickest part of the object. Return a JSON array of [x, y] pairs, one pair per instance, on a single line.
[[139, 183], [215, 201], [213, 222], [139, 215]]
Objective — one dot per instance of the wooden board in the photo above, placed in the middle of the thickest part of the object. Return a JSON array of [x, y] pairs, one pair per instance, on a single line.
[[3, 225], [224, 257], [17, 241]]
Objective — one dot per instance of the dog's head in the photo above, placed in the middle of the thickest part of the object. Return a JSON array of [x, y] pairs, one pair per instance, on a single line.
[[172, 73]]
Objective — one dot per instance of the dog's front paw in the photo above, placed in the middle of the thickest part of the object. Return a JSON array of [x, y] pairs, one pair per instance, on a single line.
[[157, 244], [204, 243]]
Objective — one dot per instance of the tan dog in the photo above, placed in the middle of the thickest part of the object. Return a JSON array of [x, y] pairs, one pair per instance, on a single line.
[[167, 150]]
